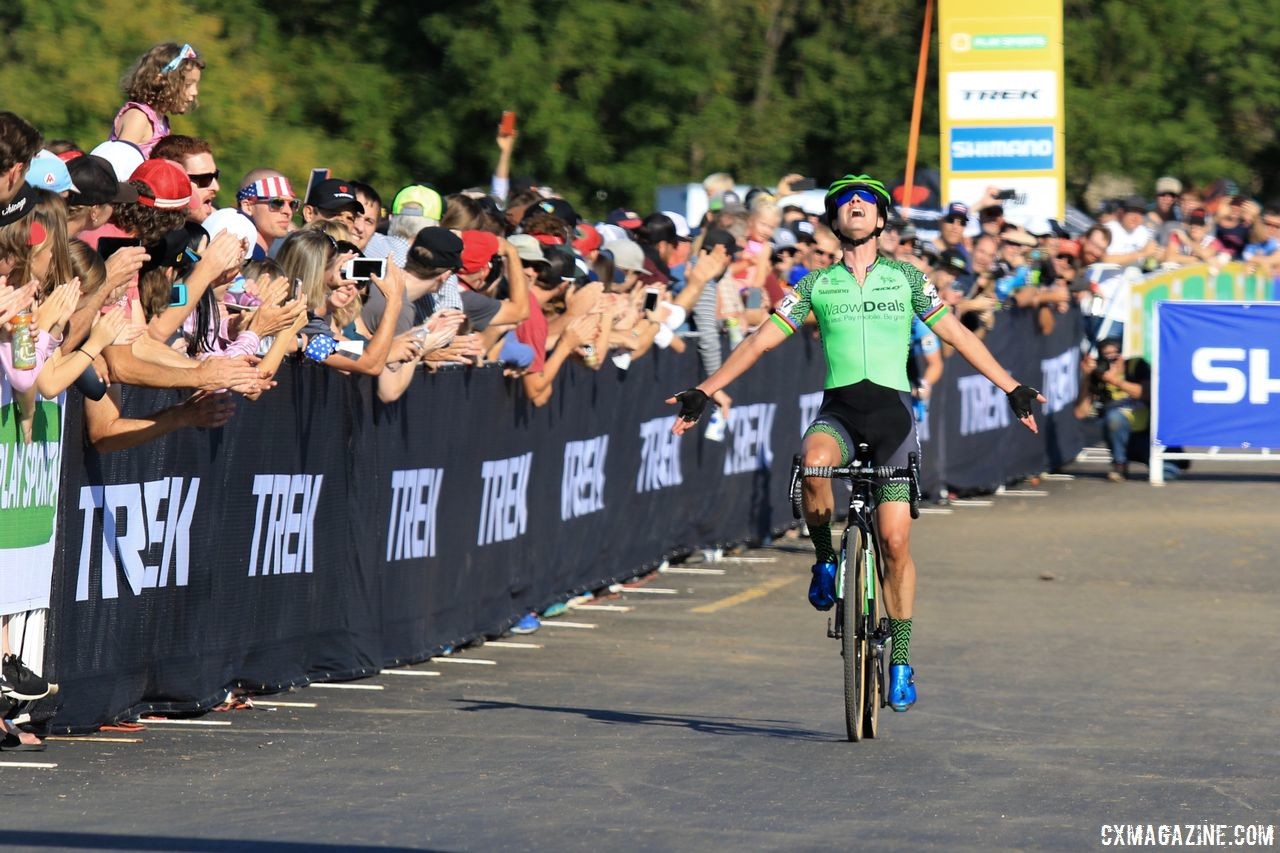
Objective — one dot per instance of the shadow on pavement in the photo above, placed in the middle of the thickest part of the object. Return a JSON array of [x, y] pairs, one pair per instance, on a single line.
[[24, 839], [721, 726]]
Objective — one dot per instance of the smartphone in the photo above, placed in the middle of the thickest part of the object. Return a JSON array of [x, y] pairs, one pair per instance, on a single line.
[[651, 298], [507, 127], [108, 246], [317, 175], [90, 384], [1006, 195], [297, 288], [362, 269], [177, 295], [803, 184], [235, 307], [754, 298]]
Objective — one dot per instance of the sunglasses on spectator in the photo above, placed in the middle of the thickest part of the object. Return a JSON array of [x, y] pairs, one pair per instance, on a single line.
[[857, 192], [831, 256], [187, 52], [275, 205], [204, 179]]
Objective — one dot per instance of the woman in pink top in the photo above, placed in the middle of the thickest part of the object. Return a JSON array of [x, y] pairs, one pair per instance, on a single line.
[[166, 79]]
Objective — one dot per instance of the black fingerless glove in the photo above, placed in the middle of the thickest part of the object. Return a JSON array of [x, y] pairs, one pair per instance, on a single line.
[[692, 404], [1020, 400]]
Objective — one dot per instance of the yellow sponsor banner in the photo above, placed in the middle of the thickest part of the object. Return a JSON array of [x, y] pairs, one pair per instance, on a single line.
[[1232, 282], [1001, 101]]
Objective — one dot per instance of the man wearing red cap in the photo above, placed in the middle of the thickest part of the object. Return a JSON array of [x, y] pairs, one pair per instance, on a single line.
[[486, 314]]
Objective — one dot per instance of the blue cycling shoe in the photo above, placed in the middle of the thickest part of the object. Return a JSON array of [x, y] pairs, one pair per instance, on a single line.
[[822, 589], [902, 687]]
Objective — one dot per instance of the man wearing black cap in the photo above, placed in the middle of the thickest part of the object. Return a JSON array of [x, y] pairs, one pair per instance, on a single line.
[[432, 260], [951, 230], [97, 193], [332, 199]]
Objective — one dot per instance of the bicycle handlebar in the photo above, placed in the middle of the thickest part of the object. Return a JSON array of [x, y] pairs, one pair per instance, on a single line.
[[884, 472]]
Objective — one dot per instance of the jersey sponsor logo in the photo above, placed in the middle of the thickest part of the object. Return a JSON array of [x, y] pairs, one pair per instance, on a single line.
[[983, 406], [504, 506], [1002, 149], [659, 457], [284, 524], [752, 429], [415, 499], [145, 534], [582, 481], [1061, 380], [1002, 95], [868, 306], [1209, 365]]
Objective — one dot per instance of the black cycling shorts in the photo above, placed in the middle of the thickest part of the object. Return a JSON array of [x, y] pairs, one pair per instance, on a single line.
[[879, 417]]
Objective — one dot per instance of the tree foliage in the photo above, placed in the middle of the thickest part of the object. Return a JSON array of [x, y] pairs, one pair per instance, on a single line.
[[615, 98]]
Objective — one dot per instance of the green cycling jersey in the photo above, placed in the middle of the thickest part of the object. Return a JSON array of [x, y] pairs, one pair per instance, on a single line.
[[866, 329]]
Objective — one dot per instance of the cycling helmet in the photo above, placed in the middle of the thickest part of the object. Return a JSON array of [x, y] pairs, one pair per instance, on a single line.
[[848, 182]]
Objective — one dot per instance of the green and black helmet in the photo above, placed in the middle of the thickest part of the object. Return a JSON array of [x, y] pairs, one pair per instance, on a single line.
[[842, 190]]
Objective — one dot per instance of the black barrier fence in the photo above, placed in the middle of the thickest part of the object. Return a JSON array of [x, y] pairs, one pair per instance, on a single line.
[[323, 535]]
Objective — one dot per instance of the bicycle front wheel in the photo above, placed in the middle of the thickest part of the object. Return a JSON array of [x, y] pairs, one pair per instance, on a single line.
[[875, 665], [853, 639]]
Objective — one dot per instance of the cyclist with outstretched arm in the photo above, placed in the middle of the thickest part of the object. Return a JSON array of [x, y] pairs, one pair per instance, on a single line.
[[864, 306]]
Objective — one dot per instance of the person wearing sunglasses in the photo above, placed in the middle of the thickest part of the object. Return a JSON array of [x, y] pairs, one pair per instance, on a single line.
[[165, 79], [266, 197], [195, 156], [864, 306]]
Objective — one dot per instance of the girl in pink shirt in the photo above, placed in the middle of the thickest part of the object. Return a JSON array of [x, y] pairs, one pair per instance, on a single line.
[[165, 79]]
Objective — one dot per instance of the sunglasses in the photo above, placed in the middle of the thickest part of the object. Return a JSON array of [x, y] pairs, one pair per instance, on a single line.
[[187, 52], [205, 179], [856, 192], [828, 255], [275, 205]]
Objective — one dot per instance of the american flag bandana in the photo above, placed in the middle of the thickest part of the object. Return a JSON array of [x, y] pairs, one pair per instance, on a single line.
[[276, 186]]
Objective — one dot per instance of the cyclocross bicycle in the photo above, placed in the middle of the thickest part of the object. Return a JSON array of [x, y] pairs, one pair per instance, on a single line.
[[861, 623]]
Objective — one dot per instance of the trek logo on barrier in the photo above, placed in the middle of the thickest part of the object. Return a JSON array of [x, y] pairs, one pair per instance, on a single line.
[[284, 524], [1207, 366], [752, 428], [582, 483], [810, 405], [504, 507], [659, 457], [1002, 95], [1002, 149], [140, 523], [1061, 380], [415, 497], [983, 406]]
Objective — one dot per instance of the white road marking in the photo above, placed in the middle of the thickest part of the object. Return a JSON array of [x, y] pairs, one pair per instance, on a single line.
[[37, 765], [500, 644], [1057, 476], [1025, 493], [609, 608], [748, 560], [690, 570], [649, 590], [273, 704], [970, 502], [425, 673], [335, 685], [935, 510], [165, 721], [88, 739], [476, 661], [560, 623]]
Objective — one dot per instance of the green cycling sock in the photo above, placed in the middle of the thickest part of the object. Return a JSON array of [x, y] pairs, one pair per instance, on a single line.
[[901, 630], [820, 536]]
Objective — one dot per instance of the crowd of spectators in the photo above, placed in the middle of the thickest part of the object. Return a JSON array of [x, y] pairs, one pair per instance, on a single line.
[[118, 268]]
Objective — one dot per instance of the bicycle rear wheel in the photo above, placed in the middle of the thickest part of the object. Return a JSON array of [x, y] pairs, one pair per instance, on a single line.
[[875, 665], [853, 640]]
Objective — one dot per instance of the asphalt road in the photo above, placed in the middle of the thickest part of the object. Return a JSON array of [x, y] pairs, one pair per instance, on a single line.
[[1102, 654]]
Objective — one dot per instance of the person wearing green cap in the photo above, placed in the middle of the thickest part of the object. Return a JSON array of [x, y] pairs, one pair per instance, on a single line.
[[864, 305]]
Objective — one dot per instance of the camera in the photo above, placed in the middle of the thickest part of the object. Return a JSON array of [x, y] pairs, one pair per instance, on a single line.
[[1104, 364]]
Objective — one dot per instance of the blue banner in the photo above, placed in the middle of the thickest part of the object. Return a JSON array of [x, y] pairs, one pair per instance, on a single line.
[[1218, 374], [1002, 149]]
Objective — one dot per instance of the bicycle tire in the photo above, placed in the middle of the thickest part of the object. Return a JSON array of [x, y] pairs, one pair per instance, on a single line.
[[853, 640], [874, 667]]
